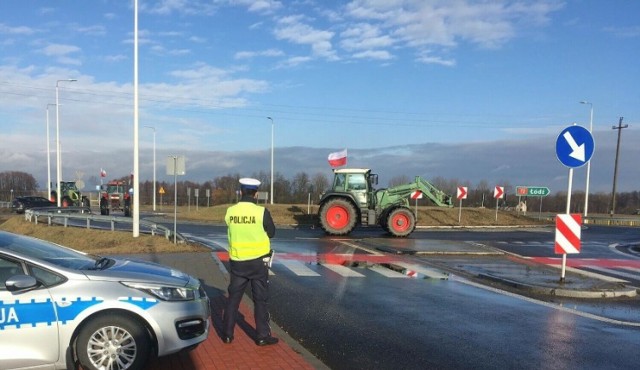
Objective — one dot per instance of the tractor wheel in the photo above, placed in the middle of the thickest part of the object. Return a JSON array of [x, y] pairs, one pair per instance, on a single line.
[[401, 222], [54, 196], [66, 202], [338, 217]]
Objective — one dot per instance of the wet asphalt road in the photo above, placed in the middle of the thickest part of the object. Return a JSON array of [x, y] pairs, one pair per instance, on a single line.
[[377, 321]]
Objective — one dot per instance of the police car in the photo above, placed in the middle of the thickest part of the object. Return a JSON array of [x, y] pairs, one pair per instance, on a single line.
[[60, 308]]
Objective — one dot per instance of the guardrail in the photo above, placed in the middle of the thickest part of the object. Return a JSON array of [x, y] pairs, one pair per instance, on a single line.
[[84, 214], [5, 204], [598, 220]]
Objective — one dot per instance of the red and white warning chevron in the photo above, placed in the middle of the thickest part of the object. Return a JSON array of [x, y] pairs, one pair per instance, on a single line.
[[568, 227]]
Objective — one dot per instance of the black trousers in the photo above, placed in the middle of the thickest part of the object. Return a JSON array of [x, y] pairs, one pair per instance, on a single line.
[[242, 273]]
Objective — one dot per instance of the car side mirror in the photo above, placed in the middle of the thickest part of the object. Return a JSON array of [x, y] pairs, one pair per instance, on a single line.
[[20, 282]]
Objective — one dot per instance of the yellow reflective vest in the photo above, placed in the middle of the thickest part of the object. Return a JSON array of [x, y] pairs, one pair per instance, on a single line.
[[247, 238]]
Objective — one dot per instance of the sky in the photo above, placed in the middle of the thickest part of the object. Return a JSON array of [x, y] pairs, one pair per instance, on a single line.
[[458, 89]]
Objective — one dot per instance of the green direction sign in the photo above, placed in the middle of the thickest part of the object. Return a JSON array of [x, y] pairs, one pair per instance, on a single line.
[[532, 191]]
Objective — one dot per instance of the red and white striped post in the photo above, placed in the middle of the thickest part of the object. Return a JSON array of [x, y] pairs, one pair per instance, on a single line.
[[568, 230]]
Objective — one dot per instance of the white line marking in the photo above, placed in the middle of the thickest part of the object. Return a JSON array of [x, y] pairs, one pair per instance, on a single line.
[[343, 271], [429, 272], [615, 272], [298, 268], [387, 272]]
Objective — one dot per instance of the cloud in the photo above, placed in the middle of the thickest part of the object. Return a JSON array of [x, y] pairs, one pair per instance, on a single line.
[[425, 57], [96, 30], [373, 54], [364, 36], [259, 6], [292, 29], [625, 32], [189, 7], [294, 61], [62, 53], [254, 54], [443, 24], [22, 30]]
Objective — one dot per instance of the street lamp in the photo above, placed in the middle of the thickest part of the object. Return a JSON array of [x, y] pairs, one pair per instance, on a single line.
[[58, 156], [586, 191], [48, 155], [154, 166], [271, 158]]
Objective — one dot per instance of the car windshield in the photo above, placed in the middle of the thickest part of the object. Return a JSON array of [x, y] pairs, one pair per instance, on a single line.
[[45, 251]]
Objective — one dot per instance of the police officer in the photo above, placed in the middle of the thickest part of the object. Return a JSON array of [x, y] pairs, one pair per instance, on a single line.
[[250, 227]]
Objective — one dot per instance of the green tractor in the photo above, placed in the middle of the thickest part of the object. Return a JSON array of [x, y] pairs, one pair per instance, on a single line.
[[353, 200], [71, 196]]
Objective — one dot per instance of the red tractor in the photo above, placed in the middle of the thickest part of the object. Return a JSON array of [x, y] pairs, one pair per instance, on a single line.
[[114, 196]]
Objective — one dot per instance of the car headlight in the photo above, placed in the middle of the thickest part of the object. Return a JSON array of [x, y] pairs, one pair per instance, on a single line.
[[163, 292]]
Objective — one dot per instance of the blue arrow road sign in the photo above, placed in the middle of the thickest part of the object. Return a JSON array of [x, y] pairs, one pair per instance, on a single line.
[[574, 146]]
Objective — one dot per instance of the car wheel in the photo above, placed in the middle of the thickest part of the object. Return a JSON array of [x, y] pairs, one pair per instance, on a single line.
[[113, 342]]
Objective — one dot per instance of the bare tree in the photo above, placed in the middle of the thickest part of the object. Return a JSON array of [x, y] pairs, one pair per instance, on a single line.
[[320, 184], [300, 187], [16, 183]]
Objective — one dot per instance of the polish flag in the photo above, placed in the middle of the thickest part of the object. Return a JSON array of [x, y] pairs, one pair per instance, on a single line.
[[338, 159], [103, 173]]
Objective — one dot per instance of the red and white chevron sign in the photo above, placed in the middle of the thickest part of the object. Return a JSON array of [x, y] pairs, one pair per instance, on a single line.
[[568, 227], [498, 192], [462, 192]]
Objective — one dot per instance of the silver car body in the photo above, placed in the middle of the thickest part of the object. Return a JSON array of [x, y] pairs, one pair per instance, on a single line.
[[39, 325]]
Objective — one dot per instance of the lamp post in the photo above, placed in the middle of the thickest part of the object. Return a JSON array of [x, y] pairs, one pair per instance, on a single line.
[[48, 155], [269, 118], [154, 166], [58, 155], [586, 191]]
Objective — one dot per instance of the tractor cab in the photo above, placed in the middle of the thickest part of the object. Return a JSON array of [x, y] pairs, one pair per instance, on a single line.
[[357, 182]]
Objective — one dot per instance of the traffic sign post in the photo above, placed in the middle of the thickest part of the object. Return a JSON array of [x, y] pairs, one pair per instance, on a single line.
[[176, 167], [416, 195], [461, 194], [574, 148], [568, 230], [533, 191], [498, 193], [161, 192]]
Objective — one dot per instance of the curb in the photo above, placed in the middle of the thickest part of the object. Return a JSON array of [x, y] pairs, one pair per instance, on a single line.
[[560, 292]]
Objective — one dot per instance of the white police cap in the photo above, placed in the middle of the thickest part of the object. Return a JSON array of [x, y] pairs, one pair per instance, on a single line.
[[249, 183]]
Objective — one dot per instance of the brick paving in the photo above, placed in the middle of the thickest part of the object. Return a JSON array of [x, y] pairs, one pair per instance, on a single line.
[[242, 353]]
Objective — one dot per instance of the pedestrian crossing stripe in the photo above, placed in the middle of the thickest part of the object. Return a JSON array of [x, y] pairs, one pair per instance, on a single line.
[[343, 271], [298, 268], [422, 271], [615, 272]]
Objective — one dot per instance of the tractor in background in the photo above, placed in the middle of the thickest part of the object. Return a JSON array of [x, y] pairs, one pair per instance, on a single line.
[[71, 196], [114, 196], [353, 200]]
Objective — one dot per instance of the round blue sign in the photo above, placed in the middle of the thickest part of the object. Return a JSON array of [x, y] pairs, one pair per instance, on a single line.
[[574, 146]]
